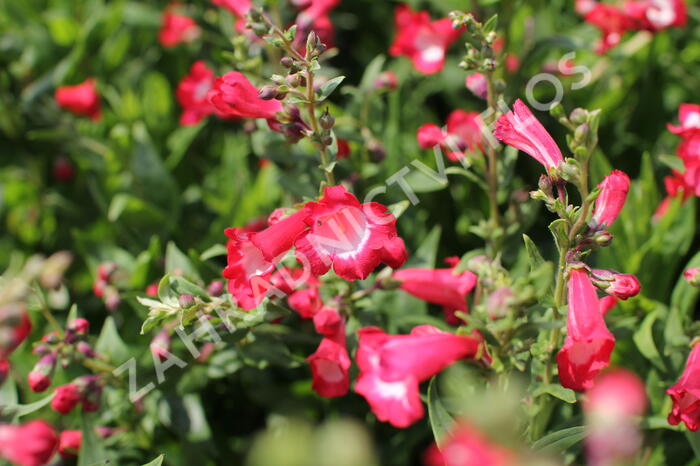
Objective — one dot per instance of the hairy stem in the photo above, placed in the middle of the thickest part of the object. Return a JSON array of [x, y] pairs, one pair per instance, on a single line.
[[492, 176]]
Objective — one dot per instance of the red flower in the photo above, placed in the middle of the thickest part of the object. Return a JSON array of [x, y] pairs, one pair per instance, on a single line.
[[463, 134], [322, 26], [622, 285], [343, 149], [30, 444], [234, 96], [192, 94], [439, 286], [689, 117], [239, 8], [613, 194], [425, 42], [476, 82], [611, 21], [79, 326], [607, 304], [392, 366], [589, 343], [81, 99], [611, 408], [686, 394], [315, 9], [176, 28], [252, 257], [15, 326], [386, 81], [305, 302], [66, 398], [662, 14], [160, 345], [350, 237], [519, 128], [40, 377], [330, 364], [69, 443], [464, 446]]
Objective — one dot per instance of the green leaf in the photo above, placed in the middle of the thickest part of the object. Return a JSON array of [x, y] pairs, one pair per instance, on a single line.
[[372, 72], [694, 440], [557, 391], [644, 340], [558, 229], [490, 24], [440, 420], [19, 411], [533, 253], [328, 87], [560, 440], [214, 251], [110, 343], [176, 260], [91, 450], [156, 462], [672, 162]]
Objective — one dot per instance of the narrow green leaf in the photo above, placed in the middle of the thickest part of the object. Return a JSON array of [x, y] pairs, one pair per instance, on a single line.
[[557, 391], [533, 253], [560, 440], [644, 340], [91, 450], [328, 87], [440, 420], [156, 462], [110, 343]]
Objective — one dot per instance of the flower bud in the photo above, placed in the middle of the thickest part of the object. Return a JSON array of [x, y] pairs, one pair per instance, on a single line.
[[622, 285], [98, 288], [326, 120], [40, 377], [376, 150], [545, 185], [602, 238], [80, 326], [268, 92], [112, 299], [216, 288], [260, 29], [581, 133], [578, 116], [692, 275], [160, 345], [32, 443], [105, 270], [185, 300], [85, 349], [286, 62], [294, 80], [69, 444], [66, 398]]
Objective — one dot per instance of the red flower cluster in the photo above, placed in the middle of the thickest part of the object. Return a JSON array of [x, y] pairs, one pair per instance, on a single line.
[[687, 182], [81, 99], [336, 232], [634, 15], [424, 41], [462, 135]]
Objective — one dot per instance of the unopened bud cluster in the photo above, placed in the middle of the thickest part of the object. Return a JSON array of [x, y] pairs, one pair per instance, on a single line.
[[480, 54]]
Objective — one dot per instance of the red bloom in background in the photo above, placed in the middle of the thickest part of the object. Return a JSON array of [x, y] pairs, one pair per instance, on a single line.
[[69, 443], [424, 41], [66, 398], [176, 28], [689, 117], [81, 99], [30, 444], [613, 194], [662, 14], [15, 326], [439, 286], [611, 408], [589, 343], [330, 364], [192, 94], [692, 275], [607, 304], [612, 22], [252, 257], [239, 8], [350, 237], [343, 149], [4, 370], [463, 134], [234, 96], [315, 9], [465, 446], [686, 394], [392, 366], [386, 81], [305, 302], [519, 128], [477, 84]]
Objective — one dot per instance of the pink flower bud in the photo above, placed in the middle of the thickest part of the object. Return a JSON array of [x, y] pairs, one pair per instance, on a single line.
[[105, 271], [30, 444], [692, 275], [66, 398], [63, 170], [112, 298], [613, 194], [622, 285], [40, 377], [81, 99], [465, 446], [186, 300], [216, 288], [80, 326], [152, 290], [477, 84], [327, 321], [85, 349], [69, 443], [15, 326]]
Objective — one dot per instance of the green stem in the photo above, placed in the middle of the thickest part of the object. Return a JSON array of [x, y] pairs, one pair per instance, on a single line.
[[581, 220], [492, 176], [311, 107]]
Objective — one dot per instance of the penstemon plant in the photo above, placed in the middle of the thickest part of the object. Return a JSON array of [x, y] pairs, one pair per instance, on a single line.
[[262, 262]]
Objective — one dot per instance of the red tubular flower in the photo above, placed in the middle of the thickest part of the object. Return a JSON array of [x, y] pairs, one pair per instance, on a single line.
[[425, 42], [330, 364], [477, 84], [350, 237], [439, 286], [69, 443], [686, 394], [611, 408], [81, 99], [305, 302], [519, 128], [621, 285], [30, 444], [192, 94], [430, 135], [465, 446], [322, 26], [607, 304], [589, 343], [392, 366], [66, 398], [234, 96], [328, 321], [239, 8], [176, 28], [612, 22], [252, 257], [689, 117], [15, 326], [613, 194], [463, 133], [343, 149]]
